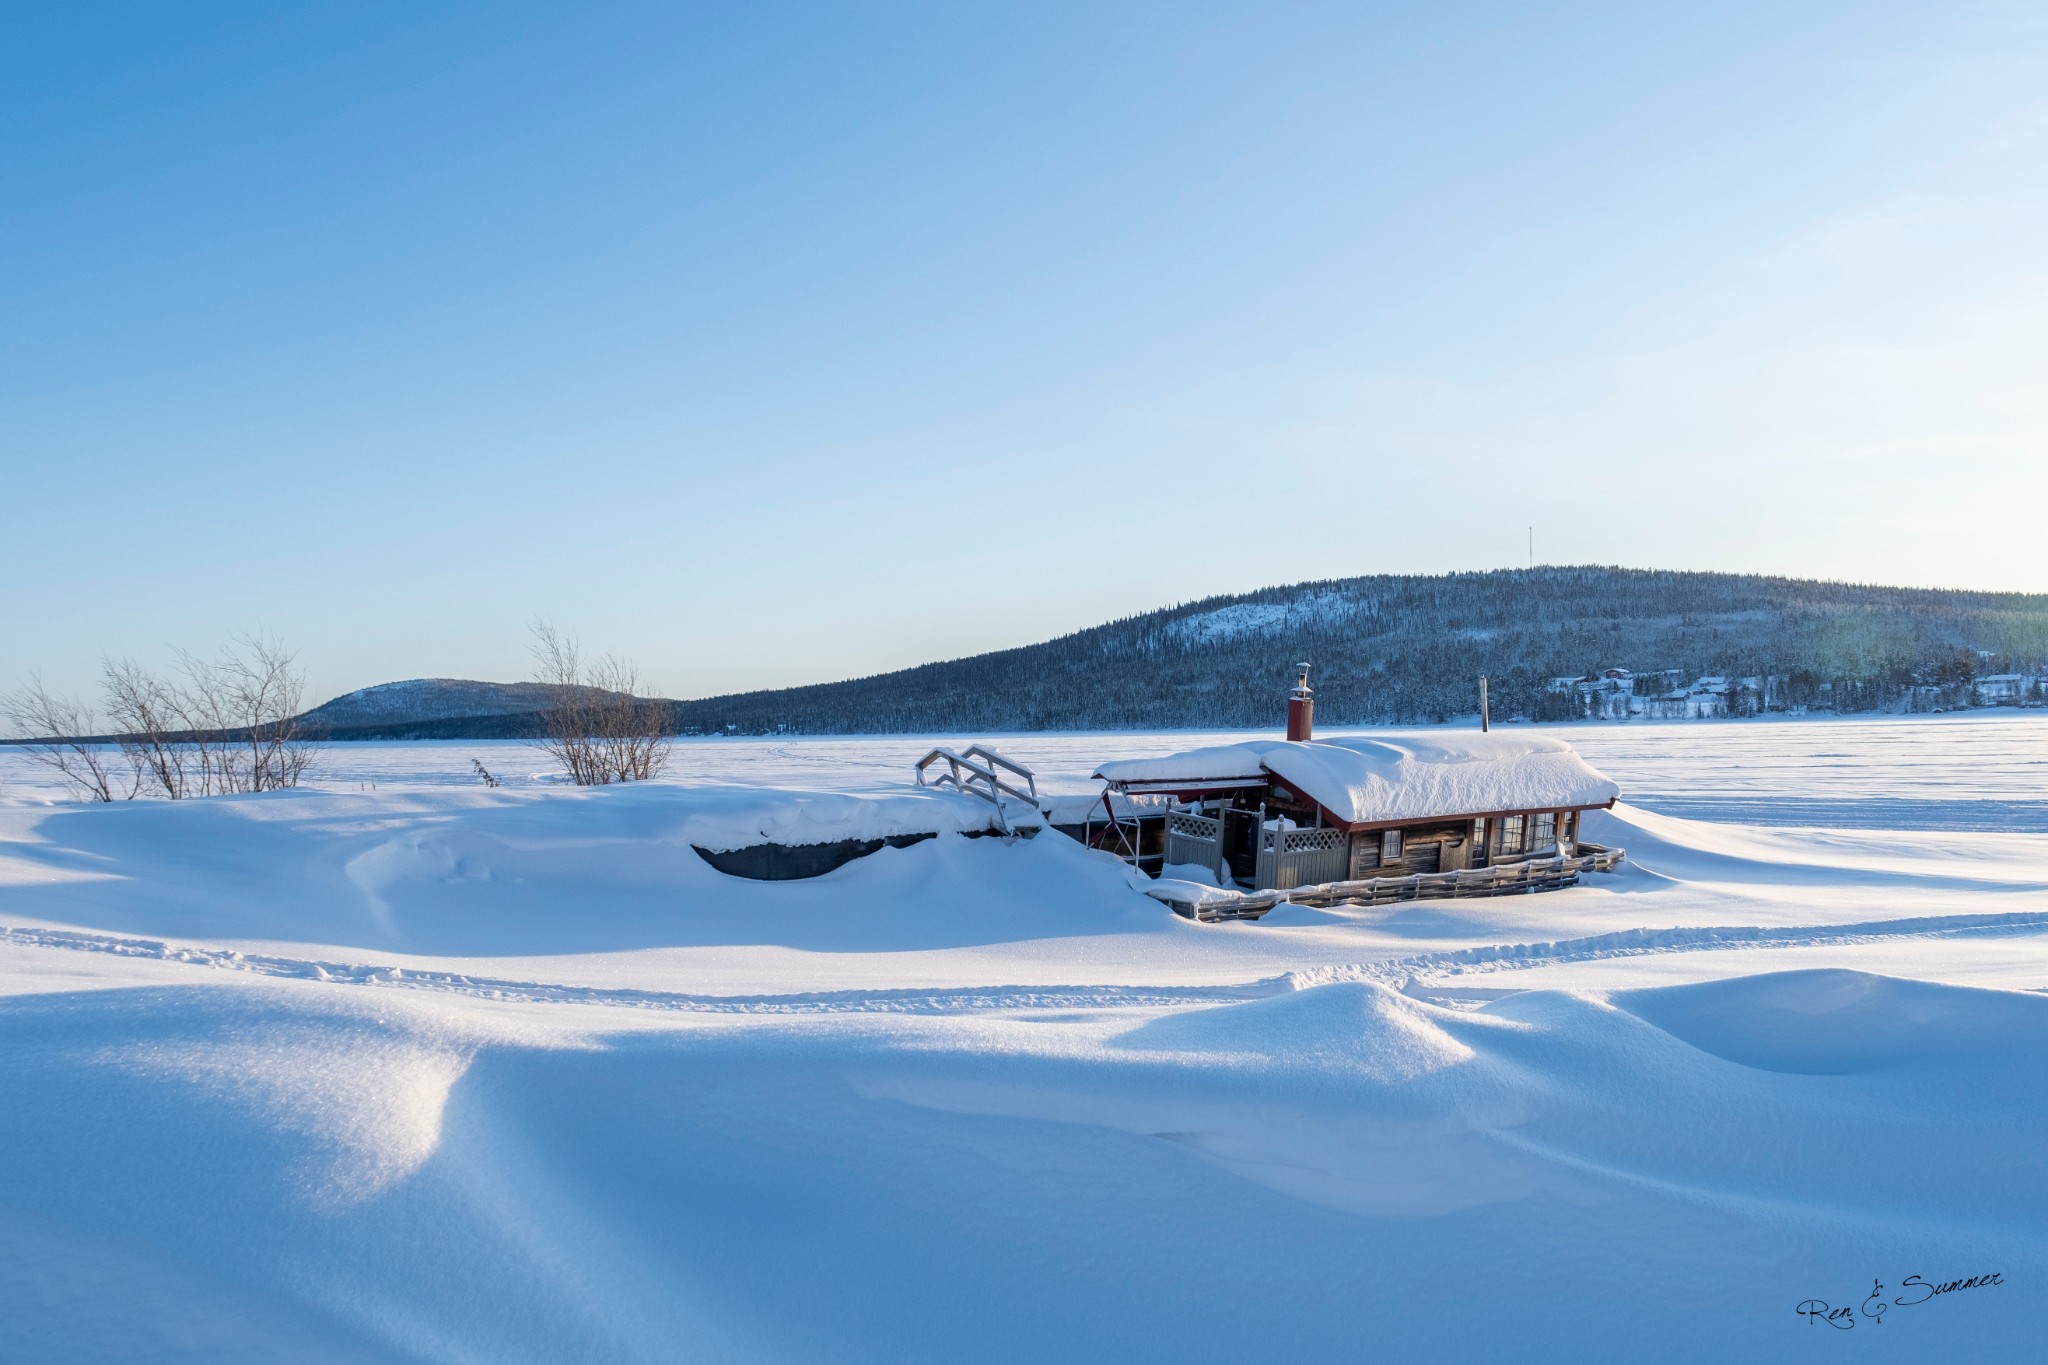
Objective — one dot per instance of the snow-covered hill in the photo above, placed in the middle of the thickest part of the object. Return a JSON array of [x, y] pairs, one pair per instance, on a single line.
[[425, 699], [1395, 649]]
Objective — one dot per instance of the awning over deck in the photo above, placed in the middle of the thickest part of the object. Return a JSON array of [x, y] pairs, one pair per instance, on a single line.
[[1387, 778]]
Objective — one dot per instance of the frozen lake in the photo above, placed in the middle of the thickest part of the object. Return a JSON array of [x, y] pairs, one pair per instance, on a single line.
[[1984, 771]]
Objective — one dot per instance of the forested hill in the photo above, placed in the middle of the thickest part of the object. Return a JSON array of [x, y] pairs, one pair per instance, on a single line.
[[1398, 649], [1390, 649]]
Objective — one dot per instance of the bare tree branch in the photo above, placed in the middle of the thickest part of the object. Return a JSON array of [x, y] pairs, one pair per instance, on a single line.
[[231, 725], [594, 723], [147, 716], [265, 688], [61, 728]]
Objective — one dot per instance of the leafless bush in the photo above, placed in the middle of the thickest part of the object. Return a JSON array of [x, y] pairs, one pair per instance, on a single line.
[[594, 723], [230, 724], [258, 689], [61, 730], [149, 717]]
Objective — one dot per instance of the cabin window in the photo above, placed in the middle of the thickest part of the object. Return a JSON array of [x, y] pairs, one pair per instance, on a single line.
[[1479, 837], [1390, 846], [1545, 834], [1511, 833]]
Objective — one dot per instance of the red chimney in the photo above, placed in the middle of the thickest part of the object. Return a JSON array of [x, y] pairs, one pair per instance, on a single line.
[[1301, 707]]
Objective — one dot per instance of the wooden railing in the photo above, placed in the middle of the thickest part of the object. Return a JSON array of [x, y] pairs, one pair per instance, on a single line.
[[1502, 879], [1290, 858], [1192, 838]]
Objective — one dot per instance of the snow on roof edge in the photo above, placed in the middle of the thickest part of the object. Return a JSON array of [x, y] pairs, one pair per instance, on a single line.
[[1371, 779]]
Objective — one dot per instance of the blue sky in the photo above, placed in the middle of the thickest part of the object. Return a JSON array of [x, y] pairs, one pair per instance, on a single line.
[[769, 344]]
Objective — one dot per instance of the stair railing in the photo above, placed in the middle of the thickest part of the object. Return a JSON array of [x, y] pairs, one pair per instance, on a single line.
[[979, 771]]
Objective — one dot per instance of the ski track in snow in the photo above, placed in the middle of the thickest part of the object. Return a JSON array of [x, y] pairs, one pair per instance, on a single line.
[[1493, 958]]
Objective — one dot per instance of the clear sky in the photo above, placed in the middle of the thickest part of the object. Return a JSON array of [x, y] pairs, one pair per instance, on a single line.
[[770, 345]]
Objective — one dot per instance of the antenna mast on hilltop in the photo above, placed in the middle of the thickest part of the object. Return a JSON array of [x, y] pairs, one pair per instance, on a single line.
[[1532, 547]]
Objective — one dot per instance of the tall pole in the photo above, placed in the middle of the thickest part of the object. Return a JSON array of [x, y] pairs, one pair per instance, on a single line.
[[1485, 721]]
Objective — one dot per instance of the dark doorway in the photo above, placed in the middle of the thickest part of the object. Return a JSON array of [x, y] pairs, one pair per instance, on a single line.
[[1241, 845]]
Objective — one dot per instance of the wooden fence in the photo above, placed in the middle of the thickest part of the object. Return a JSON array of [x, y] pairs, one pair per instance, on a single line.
[[1294, 858], [1195, 839], [1287, 857]]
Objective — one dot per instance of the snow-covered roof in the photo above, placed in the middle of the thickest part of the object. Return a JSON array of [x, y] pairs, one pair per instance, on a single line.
[[1363, 780]]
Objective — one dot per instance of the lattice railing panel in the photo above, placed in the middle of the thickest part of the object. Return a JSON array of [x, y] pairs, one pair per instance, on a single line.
[[1312, 840]]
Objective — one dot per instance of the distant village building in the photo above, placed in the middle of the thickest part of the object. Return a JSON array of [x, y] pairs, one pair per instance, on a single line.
[[1618, 694], [1607, 695], [1705, 699], [2006, 689]]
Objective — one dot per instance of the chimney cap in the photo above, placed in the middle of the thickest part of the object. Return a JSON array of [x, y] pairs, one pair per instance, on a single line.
[[1301, 710]]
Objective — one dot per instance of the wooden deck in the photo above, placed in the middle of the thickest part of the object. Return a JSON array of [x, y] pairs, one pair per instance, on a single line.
[[1502, 879]]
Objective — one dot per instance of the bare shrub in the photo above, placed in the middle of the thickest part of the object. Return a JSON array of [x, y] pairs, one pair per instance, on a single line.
[[148, 716], [257, 686], [60, 731], [567, 726], [594, 723], [230, 724]]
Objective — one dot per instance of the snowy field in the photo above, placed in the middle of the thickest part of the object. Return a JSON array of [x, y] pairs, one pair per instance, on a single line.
[[401, 1068]]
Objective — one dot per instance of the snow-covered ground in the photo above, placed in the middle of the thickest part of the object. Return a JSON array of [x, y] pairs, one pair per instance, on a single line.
[[398, 1067]]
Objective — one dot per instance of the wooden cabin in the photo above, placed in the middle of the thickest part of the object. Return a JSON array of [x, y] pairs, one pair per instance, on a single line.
[[1280, 814]]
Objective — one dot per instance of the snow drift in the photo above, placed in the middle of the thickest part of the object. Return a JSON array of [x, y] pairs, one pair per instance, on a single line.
[[301, 1173], [457, 1075]]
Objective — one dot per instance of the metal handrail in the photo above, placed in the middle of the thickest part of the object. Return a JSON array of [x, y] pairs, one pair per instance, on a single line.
[[996, 760], [980, 779]]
